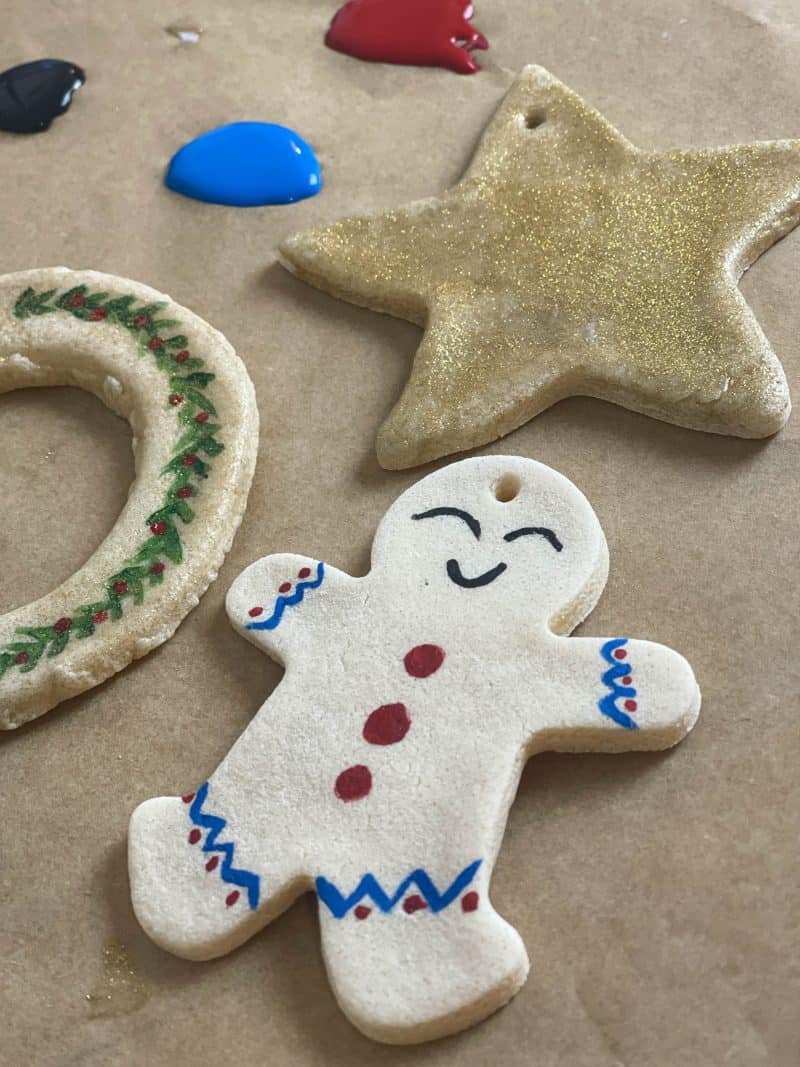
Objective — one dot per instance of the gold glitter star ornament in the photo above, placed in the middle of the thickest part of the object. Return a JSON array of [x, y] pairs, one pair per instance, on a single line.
[[569, 262]]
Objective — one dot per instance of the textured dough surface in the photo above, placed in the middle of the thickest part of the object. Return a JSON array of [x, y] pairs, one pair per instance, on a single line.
[[382, 768], [187, 397], [569, 262]]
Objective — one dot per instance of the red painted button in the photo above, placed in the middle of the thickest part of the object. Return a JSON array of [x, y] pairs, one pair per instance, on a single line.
[[255, 612], [630, 705], [354, 783], [231, 898], [194, 836], [361, 911], [212, 863], [387, 725], [303, 572], [423, 660], [619, 653], [627, 680], [469, 902], [413, 903], [284, 587]]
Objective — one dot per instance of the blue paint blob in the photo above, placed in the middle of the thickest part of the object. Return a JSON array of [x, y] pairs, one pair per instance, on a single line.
[[246, 164]]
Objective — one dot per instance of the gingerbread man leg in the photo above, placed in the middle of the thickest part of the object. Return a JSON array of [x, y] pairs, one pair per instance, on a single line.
[[420, 958]]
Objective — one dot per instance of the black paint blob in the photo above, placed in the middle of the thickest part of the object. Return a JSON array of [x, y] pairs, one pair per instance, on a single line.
[[33, 94]]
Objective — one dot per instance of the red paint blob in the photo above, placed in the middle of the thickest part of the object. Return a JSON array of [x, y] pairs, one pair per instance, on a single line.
[[21, 659], [413, 903], [630, 705], [176, 398], [155, 343], [201, 416], [62, 625], [284, 587], [627, 680], [182, 356], [387, 725], [255, 612], [184, 492], [619, 653], [424, 660], [361, 911], [231, 898], [354, 783], [158, 528], [212, 863], [426, 33], [194, 836], [120, 588], [157, 568], [77, 301], [189, 459], [141, 320], [187, 798], [469, 902], [100, 616], [303, 572], [97, 314]]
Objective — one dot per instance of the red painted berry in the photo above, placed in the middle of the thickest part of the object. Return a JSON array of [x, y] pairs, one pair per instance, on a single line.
[[189, 459], [157, 568], [194, 836], [97, 314], [201, 417], [354, 783], [469, 902], [284, 587], [619, 653], [303, 572], [361, 911], [99, 616], [175, 399], [255, 612], [423, 660], [184, 492], [413, 903], [120, 588], [182, 356], [141, 320], [158, 528], [21, 658], [62, 625], [631, 705], [627, 680], [155, 343], [77, 300], [212, 863], [231, 898]]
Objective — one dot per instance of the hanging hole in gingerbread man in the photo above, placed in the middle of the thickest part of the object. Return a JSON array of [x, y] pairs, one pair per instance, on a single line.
[[192, 410], [381, 770]]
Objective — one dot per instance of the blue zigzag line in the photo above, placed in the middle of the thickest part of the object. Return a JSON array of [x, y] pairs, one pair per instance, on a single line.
[[608, 704], [369, 886], [215, 825], [284, 602]]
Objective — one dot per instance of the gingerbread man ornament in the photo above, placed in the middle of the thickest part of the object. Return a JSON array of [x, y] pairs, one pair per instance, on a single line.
[[381, 770]]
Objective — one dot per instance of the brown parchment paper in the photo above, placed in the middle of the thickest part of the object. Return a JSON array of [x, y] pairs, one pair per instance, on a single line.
[[657, 894]]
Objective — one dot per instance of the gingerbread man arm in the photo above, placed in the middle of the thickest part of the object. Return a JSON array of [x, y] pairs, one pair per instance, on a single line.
[[616, 694], [281, 600]]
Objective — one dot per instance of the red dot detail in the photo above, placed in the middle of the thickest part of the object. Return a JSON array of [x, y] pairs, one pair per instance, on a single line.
[[201, 417], [423, 660], [303, 572], [97, 314], [21, 658], [255, 612], [619, 653], [187, 798], [99, 616], [469, 902], [184, 492], [413, 903], [212, 863], [284, 587], [231, 898], [157, 568], [189, 459], [354, 783], [182, 356], [627, 680], [62, 625], [630, 705], [194, 836], [120, 588], [387, 725], [158, 528], [155, 343], [361, 911]]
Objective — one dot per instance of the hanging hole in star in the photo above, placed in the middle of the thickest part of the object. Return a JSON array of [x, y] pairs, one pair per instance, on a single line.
[[507, 488], [535, 118]]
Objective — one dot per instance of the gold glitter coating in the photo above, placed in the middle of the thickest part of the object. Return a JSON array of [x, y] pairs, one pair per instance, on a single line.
[[569, 262]]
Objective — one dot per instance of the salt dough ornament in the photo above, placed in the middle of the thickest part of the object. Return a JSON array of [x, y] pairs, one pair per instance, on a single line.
[[191, 406], [382, 768], [427, 33], [568, 262]]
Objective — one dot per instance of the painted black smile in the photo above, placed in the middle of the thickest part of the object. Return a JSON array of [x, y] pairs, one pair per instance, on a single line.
[[455, 575]]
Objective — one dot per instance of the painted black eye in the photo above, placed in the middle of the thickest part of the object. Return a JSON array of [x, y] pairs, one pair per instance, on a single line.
[[538, 531], [435, 513]]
